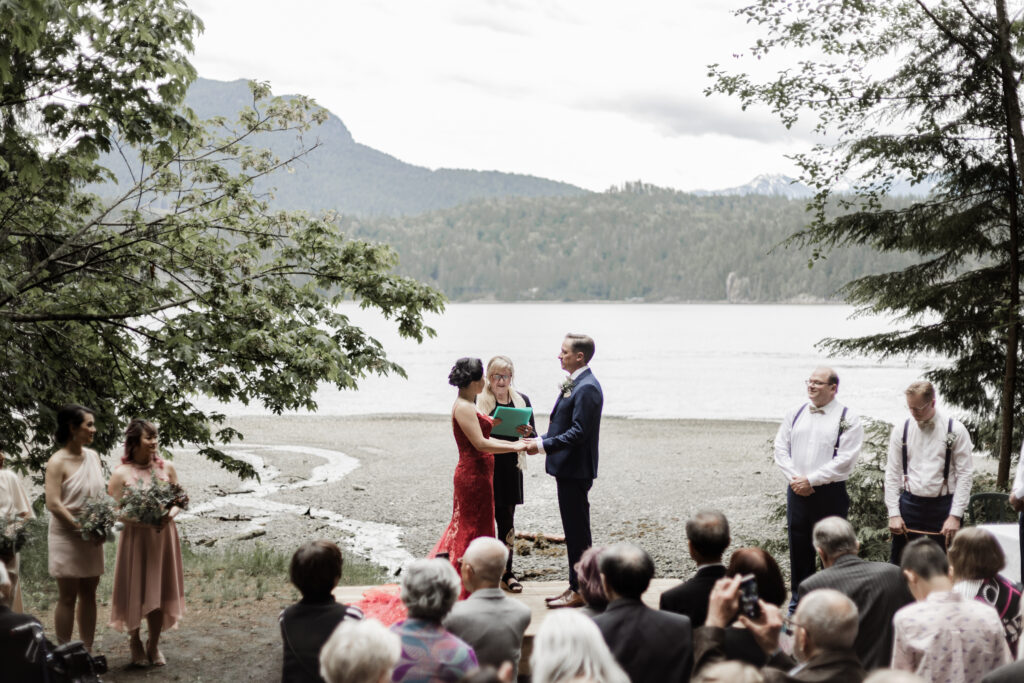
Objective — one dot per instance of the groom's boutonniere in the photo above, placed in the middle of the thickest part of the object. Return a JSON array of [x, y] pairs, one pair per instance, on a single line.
[[566, 387], [950, 440]]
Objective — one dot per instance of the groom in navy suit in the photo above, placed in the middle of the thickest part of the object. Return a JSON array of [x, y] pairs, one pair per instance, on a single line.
[[570, 450]]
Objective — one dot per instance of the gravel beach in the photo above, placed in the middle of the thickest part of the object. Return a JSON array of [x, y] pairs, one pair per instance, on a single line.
[[397, 499]]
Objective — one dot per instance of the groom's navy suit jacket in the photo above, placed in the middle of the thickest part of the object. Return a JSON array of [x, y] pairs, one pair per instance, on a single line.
[[571, 440]]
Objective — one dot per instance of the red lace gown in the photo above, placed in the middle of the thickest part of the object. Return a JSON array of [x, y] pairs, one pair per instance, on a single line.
[[472, 516], [473, 509]]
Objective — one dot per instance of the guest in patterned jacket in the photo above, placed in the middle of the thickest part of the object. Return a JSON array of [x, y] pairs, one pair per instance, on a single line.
[[965, 639]]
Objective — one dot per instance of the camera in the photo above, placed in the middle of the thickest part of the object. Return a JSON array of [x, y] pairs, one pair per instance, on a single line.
[[749, 597]]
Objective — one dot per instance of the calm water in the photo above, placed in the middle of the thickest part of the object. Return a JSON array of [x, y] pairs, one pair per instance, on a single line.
[[653, 361]]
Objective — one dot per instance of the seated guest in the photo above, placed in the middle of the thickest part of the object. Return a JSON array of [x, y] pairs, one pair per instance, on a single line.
[[429, 652], [878, 588], [13, 646], [1011, 673], [359, 652], [649, 645], [944, 636], [588, 570], [893, 676], [824, 629], [976, 558], [728, 672], [771, 587], [492, 623], [707, 536], [305, 626], [488, 674], [568, 647]]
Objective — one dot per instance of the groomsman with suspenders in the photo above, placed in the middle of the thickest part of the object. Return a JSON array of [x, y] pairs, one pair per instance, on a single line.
[[816, 448], [928, 474]]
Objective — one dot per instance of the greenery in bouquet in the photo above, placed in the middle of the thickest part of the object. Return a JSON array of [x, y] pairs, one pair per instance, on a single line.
[[150, 503], [13, 535], [98, 519]]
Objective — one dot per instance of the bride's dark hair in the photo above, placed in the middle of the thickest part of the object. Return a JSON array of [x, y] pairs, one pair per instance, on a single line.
[[465, 371]]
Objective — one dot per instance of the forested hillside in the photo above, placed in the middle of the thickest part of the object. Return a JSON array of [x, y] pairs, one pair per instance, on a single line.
[[634, 243]]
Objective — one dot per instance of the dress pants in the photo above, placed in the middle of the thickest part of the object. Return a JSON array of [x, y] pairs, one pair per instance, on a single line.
[[922, 514], [574, 507], [802, 513]]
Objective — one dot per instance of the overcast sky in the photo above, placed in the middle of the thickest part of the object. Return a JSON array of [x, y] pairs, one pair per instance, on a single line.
[[591, 92]]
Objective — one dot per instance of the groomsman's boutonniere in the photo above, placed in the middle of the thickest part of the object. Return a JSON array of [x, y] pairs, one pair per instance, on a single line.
[[950, 440], [566, 387], [844, 424]]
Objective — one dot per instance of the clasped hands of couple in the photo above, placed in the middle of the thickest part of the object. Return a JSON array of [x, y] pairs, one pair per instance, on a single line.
[[525, 444]]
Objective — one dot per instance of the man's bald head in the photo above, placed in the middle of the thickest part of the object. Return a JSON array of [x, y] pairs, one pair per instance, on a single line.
[[487, 556], [830, 619], [627, 570]]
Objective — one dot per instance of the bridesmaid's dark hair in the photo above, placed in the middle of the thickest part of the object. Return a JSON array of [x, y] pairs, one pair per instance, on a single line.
[[465, 372], [133, 437], [69, 417]]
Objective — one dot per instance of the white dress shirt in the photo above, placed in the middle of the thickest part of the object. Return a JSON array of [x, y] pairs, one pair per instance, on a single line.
[[1018, 480], [805, 449], [926, 458], [540, 440]]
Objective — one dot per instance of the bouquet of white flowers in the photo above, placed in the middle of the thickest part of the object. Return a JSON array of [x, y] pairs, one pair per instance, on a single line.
[[98, 519], [150, 503], [13, 535]]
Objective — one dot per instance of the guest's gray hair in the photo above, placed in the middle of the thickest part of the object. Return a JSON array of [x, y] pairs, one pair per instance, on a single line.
[[834, 536], [430, 588], [5, 585], [729, 672], [359, 651], [829, 617], [893, 676], [569, 646]]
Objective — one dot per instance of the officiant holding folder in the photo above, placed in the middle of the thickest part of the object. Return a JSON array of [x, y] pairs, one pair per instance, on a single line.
[[508, 467]]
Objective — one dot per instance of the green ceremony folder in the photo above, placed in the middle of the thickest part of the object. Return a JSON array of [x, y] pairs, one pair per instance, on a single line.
[[510, 419]]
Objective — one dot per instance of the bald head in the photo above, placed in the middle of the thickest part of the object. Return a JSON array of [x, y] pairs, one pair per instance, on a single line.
[[822, 386], [830, 619], [627, 570], [487, 556]]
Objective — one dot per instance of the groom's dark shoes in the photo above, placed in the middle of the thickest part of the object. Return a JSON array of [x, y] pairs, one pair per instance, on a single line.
[[569, 598]]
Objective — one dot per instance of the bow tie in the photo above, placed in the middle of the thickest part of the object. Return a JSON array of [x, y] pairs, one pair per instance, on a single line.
[[926, 425], [816, 409]]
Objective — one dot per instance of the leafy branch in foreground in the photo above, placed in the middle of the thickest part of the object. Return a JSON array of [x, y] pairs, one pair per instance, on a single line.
[[184, 283]]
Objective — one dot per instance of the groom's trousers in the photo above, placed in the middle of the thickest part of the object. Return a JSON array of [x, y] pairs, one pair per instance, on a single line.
[[574, 507]]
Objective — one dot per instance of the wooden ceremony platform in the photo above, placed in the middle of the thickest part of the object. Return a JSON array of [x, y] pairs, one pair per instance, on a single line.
[[532, 596]]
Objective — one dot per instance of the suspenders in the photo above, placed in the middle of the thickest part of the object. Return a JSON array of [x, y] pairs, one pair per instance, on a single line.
[[839, 434], [945, 468]]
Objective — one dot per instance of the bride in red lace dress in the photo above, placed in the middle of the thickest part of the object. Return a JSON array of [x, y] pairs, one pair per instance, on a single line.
[[473, 508]]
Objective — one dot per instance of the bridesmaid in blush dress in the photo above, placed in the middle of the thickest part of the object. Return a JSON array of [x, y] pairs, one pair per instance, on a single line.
[[73, 476], [147, 576], [473, 507]]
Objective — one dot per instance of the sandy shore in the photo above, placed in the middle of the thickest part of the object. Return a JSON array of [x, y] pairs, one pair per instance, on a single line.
[[653, 475]]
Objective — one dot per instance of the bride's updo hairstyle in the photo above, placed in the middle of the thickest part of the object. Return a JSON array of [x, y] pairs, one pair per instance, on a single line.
[[465, 372]]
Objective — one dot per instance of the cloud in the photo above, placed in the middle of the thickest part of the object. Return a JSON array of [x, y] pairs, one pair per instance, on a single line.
[[686, 116]]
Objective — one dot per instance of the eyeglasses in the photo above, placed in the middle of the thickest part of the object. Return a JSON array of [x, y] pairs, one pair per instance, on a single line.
[[918, 409], [498, 378], [789, 625], [816, 383]]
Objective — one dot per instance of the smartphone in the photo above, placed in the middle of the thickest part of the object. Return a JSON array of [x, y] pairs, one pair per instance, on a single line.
[[749, 597]]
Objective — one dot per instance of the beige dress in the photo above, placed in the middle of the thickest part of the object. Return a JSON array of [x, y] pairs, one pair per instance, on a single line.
[[14, 504], [70, 556], [147, 575]]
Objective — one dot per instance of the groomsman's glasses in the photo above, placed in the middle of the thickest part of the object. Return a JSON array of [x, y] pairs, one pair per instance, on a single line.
[[816, 383]]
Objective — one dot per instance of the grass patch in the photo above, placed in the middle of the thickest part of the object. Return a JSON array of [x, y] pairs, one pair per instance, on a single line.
[[214, 578]]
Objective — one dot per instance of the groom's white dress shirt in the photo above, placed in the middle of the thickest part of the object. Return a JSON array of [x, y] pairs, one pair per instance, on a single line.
[[805, 449]]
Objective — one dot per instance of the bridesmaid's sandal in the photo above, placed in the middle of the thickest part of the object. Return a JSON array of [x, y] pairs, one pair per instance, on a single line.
[[159, 660], [138, 654]]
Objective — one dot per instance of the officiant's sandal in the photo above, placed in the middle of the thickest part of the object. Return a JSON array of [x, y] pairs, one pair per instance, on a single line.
[[510, 583]]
